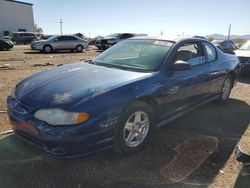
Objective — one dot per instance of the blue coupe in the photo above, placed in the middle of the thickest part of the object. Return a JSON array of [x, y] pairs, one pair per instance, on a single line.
[[120, 97]]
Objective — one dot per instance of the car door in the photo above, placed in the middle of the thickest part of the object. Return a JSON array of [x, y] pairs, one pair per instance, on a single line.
[[60, 43], [184, 88], [71, 42], [20, 38]]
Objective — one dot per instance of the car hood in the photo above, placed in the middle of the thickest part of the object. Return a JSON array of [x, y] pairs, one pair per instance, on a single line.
[[242, 53], [39, 41], [7, 37], [64, 86]]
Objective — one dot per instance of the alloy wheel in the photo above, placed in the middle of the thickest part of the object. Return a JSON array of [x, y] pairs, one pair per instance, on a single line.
[[226, 88], [136, 129]]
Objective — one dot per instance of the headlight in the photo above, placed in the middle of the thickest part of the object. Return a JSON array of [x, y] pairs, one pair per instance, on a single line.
[[61, 117], [37, 44]]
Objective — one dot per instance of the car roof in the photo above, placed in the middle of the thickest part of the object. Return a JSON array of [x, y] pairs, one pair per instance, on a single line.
[[65, 35], [169, 39]]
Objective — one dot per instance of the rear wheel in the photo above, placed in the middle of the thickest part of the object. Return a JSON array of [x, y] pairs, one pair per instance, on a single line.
[[226, 89], [79, 48], [134, 128]]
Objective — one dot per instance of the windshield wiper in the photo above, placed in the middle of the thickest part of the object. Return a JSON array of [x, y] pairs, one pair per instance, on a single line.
[[90, 62]]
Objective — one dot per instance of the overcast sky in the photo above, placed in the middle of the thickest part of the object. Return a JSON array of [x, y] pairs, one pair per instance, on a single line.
[[173, 17]]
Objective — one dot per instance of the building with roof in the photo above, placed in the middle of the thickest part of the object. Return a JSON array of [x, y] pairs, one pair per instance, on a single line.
[[16, 16]]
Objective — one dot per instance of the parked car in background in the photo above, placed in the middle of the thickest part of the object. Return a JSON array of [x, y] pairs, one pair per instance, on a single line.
[[119, 98], [226, 46], [93, 40], [62, 42], [243, 54], [110, 40], [98, 43], [21, 37], [6, 44], [45, 37]]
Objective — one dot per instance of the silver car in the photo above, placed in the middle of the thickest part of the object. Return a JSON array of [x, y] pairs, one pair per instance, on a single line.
[[62, 42]]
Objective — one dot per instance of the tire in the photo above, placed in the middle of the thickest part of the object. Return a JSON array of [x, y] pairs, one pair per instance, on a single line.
[[47, 49], [226, 89], [135, 127], [5, 47], [79, 48]]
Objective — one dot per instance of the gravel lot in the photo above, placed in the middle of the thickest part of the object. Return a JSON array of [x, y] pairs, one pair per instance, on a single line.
[[194, 151]]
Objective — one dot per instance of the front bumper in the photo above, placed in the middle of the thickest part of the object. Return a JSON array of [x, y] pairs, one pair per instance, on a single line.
[[36, 47], [66, 141]]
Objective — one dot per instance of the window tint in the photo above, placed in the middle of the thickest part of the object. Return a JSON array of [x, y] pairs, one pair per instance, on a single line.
[[126, 35], [66, 38], [60, 38], [211, 53], [70, 38], [191, 53]]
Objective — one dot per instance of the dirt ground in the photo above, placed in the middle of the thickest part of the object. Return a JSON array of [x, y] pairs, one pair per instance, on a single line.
[[195, 150]]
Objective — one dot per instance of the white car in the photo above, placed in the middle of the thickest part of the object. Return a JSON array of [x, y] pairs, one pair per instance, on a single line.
[[62, 42], [243, 54]]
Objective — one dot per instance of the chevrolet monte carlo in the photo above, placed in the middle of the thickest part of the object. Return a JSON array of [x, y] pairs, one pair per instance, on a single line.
[[120, 97]]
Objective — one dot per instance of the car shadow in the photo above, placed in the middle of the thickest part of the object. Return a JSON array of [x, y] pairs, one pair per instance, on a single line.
[[187, 153], [54, 52]]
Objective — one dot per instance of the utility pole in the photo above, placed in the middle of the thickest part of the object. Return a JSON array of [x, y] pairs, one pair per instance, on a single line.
[[61, 25], [161, 32], [229, 31]]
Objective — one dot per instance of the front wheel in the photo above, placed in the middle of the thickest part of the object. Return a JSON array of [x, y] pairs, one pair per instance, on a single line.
[[47, 49], [135, 126], [226, 89]]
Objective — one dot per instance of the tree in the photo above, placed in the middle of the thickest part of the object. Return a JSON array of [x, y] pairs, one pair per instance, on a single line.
[[211, 39], [38, 29]]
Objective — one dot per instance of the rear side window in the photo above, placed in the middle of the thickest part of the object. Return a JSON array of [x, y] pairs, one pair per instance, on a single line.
[[211, 52], [71, 38], [66, 38]]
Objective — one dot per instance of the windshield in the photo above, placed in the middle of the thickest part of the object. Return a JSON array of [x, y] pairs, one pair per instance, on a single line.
[[13, 34], [140, 55], [246, 46], [52, 38], [217, 41]]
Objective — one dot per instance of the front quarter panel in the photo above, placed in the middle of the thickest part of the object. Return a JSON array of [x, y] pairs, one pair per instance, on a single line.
[[110, 103]]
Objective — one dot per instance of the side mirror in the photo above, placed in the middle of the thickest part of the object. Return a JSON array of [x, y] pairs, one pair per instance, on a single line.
[[181, 65], [56, 40]]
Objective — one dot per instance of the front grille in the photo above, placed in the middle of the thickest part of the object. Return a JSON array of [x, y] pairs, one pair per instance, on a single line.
[[244, 59]]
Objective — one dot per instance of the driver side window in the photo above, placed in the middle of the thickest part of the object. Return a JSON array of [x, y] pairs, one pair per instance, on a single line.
[[191, 53]]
